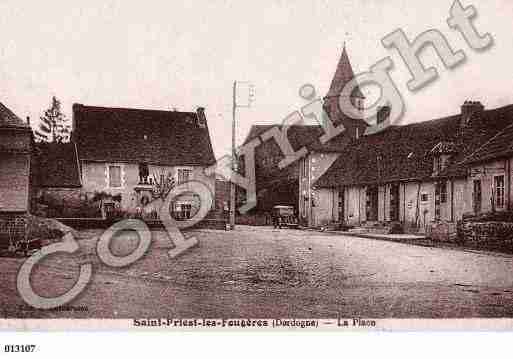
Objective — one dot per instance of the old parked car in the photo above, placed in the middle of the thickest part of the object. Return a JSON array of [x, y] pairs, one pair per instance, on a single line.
[[284, 216]]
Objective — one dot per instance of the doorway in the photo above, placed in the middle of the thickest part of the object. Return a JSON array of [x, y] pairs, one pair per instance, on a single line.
[[341, 205], [394, 202], [477, 194], [372, 203]]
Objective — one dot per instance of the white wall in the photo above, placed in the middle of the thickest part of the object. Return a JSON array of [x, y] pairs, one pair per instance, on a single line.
[[317, 165], [94, 178], [355, 205], [486, 173]]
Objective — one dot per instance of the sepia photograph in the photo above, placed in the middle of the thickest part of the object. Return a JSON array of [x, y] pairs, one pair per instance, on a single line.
[[309, 165]]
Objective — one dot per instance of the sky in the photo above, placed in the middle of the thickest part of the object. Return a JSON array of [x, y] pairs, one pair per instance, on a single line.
[[185, 54]]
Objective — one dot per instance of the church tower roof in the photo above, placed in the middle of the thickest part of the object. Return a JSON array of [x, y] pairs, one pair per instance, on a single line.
[[343, 74]]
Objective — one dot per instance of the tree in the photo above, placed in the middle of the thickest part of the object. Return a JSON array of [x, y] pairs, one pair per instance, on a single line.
[[163, 184], [54, 126]]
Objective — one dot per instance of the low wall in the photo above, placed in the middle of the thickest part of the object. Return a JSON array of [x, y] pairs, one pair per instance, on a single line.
[[487, 234], [253, 219], [443, 231]]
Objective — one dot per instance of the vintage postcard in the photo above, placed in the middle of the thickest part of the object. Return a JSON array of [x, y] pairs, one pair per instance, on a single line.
[[219, 165]]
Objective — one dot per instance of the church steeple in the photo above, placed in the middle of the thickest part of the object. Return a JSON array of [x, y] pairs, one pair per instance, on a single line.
[[343, 74]]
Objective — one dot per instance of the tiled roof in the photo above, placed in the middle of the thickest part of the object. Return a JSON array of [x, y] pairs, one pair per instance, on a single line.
[[145, 136], [490, 123], [343, 74], [499, 146], [402, 153], [9, 120], [304, 135], [57, 165]]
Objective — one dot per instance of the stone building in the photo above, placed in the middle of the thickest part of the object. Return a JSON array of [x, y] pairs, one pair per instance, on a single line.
[[413, 174], [294, 184], [17, 169], [126, 152], [490, 173]]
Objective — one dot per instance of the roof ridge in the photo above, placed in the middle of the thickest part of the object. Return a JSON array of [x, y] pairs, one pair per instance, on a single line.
[[279, 125], [152, 136], [132, 109], [490, 110]]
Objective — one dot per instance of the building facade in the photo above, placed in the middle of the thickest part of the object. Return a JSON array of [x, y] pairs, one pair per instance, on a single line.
[[417, 174], [490, 174], [127, 153], [16, 164], [294, 184]]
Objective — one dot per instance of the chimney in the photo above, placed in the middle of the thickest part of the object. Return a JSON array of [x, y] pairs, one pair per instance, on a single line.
[[28, 120], [200, 114], [470, 111]]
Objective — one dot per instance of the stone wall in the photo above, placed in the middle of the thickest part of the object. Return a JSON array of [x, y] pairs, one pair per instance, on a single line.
[[12, 228], [443, 231], [487, 234]]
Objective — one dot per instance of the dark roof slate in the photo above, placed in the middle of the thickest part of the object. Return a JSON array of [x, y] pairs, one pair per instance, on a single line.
[[343, 74], [499, 146], [144, 136], [304, 135], [9, 120], [401, 153], [470, 139]]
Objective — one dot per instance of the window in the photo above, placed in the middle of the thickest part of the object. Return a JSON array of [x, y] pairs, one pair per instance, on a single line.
[[143, 173], [184, 175], [358, 103], [114, 176], [182, 211], [443, 192], [424, 197], [499, 191]]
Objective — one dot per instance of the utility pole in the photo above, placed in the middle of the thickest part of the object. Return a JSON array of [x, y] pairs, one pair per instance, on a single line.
[[232, 184], [250, 98]]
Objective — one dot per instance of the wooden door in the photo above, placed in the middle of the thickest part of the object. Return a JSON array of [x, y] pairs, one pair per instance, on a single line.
[[477, 196]]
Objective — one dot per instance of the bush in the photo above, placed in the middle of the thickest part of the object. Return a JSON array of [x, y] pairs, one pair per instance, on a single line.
[[25, 233], [53, 206], [47, 229]]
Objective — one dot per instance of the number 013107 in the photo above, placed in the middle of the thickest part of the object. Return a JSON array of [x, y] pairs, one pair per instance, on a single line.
[[26, 348]]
